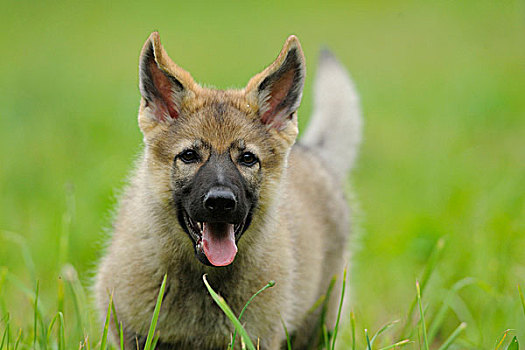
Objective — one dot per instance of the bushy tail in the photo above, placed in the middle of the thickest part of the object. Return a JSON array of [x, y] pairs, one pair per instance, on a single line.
[[335, 126]]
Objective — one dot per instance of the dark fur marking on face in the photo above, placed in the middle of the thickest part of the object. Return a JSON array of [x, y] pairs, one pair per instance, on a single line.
[[218, 171], [201, 144], [220, 110], [238, 145], [162, 152]]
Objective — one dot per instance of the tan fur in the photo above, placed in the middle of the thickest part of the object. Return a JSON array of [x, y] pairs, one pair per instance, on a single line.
[[297, 238]]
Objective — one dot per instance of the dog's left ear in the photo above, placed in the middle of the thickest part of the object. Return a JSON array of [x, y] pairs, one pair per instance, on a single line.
[[277, 90]]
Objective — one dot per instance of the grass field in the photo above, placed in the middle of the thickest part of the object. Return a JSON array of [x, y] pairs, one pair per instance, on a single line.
[[443, 158]]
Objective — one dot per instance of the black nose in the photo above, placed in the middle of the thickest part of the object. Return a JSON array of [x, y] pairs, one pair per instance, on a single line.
[[220, 201]]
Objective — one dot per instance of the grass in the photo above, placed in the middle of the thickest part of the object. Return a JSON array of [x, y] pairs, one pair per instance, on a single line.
[[150, 340], [268, 285], [226, 309], [49, 340], [441, 85]]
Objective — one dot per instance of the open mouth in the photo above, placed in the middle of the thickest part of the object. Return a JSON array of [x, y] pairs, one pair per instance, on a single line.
[[215, 242]]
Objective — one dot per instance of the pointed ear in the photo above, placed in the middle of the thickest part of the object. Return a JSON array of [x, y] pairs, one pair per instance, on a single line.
[[162, 83], [278, 89]]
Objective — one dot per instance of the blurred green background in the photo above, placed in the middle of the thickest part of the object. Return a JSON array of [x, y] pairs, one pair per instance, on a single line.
[[443, 93]]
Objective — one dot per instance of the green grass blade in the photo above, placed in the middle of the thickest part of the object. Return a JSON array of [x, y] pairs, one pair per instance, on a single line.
[[79, 314], [502, 339], [115, 318], [17, 342], [352, 325], [432, 262], [79, 300], [514, 345], [383, 329], [121, 336], [461, 309], [3, 278], [336, 328], [156, 311], [83, 344], [368, 345], [42, 338], [229, 313], [396, 345], [60, 294], [268, 285], [521, 298], [318, 334], [15, 281], [422, 314], [103, 342], [6, 334], [427, 272], [155, 341], [327, 298], [317, 303], [453, 336], [50, 328], [35, 308], [61, 332], [288, 340], [445, 306], [325, 337]]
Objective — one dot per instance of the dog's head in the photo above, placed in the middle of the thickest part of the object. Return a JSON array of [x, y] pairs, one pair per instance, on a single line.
[[216, 157]]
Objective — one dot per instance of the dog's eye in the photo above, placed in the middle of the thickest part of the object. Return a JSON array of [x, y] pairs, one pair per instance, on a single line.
[[248, 159], [189, 156]]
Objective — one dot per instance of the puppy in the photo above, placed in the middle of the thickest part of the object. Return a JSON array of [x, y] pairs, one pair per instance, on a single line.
[[222, 188]]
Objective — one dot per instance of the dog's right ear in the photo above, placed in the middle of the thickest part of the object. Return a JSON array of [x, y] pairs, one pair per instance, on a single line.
[[278, 89], [163, 84]]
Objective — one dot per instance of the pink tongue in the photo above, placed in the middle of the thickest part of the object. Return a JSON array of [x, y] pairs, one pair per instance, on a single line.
[[218, 241]]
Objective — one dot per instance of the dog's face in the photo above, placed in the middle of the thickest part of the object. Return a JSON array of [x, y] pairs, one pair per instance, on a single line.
[[216, 157]]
